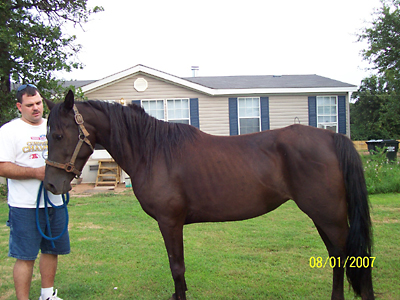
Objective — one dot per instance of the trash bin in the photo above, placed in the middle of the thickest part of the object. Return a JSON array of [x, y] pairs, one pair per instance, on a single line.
[[389, 146]]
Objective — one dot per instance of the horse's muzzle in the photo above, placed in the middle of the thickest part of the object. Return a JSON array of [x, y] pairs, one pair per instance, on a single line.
[[57, 189]]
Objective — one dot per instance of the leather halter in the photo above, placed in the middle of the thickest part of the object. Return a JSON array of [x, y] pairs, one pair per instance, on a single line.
[[83, 134]]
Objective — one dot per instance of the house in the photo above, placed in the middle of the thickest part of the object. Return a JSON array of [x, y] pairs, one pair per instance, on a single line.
[[226, 105]]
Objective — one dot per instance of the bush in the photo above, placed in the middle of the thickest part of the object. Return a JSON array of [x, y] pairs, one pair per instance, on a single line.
[[381, 175], [3, 192]]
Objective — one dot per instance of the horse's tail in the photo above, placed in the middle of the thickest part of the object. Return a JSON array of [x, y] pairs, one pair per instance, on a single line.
[[359, 239]]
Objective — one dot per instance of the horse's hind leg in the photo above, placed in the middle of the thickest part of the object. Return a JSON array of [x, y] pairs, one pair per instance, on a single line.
[[329, 214], [338, 253], [173, 239]]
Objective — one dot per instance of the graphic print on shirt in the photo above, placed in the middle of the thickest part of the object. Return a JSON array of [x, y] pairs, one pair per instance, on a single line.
[[36, 144]]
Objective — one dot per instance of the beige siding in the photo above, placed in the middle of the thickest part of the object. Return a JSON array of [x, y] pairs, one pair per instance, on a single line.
[[214, 115], [287, 110], [213, 111]]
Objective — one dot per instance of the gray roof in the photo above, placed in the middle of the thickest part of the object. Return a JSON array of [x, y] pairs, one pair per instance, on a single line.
[[77, 83], [267, 81]]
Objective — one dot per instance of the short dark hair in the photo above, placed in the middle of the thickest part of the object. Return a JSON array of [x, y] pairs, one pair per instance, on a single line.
[[28, 89]]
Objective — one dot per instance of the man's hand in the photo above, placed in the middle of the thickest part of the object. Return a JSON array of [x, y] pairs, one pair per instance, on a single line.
[[40, 173]]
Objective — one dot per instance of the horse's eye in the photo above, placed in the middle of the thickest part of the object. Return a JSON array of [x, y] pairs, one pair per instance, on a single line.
[[57, 137]]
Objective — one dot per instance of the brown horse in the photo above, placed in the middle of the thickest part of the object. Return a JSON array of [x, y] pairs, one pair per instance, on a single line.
[[181, 175]]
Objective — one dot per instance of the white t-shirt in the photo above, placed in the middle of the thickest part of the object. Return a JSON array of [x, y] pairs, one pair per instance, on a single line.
[[25, 145]]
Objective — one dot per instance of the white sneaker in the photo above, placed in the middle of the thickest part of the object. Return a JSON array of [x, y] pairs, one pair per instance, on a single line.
[[53, 297]]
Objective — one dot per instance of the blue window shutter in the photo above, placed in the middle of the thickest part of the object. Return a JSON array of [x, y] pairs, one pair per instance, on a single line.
[[233, 117], [194, 112], [312, 111], [137, 102], [342, 114], [264, 103]]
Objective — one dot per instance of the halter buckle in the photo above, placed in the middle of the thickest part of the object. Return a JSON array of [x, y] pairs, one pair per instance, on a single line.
[[78, 119]]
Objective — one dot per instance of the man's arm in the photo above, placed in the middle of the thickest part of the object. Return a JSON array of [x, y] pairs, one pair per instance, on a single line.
[[13, 171]]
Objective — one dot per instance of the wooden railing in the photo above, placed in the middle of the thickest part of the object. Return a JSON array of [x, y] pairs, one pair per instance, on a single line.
[[360, 145]]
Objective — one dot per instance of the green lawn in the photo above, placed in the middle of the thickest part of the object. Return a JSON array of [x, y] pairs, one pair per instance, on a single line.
[[118, 253]]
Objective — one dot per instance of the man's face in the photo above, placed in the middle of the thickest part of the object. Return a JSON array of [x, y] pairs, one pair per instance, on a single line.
[[31, 109]]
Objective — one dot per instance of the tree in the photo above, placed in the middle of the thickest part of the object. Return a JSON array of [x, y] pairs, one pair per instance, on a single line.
[[376, 112], [383, 39], [33, 45]]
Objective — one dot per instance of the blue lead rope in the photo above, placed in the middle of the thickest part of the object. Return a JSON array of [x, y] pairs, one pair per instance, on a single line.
[[46, 202]]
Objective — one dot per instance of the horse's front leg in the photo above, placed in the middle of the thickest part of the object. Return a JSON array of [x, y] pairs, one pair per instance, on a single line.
[[173, 239]]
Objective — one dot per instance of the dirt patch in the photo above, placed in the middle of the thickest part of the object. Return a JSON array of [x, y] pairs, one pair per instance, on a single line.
[[88, 189]]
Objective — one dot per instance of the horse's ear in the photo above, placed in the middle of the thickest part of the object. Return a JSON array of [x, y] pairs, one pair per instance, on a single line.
[[49, 103], [69, 100]]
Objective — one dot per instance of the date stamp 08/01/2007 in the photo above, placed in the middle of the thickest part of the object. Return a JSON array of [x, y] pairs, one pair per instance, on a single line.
[[350, 261]]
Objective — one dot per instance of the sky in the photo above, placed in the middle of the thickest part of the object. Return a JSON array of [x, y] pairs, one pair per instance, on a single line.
[[226, 38]]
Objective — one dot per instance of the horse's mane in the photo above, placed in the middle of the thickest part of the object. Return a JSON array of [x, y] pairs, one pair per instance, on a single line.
[[147, 136]]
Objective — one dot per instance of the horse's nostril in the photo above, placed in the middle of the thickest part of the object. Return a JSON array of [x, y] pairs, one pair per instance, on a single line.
[[51, 188]]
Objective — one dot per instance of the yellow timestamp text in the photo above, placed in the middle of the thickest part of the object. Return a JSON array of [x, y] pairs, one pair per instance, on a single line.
[[349, 261]]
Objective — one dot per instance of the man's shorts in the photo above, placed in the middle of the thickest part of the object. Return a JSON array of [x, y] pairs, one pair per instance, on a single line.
[[25, 238]]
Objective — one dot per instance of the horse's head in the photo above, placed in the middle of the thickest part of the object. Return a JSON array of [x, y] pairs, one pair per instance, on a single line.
[[68, 145]]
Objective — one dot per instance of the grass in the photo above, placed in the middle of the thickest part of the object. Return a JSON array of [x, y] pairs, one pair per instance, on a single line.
[[118, 253]]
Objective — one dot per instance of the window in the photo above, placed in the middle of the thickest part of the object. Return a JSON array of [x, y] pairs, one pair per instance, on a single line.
[[178, 111], [154, 108], [94, 168], [327, 112], [249, 115]]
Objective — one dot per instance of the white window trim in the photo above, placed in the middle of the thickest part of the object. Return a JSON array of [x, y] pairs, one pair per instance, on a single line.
[[327, 124], [259, 113]]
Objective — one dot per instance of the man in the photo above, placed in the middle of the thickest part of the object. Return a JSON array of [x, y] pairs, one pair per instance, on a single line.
[[22, 161]]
